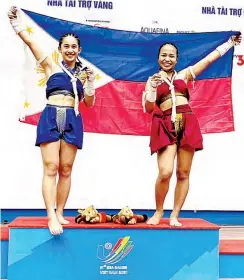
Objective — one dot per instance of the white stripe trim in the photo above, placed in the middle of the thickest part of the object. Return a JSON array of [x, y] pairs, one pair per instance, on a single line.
[[73, 81]]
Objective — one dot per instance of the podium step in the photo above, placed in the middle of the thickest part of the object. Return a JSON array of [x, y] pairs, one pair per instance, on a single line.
[[4, 251], [232, 258], [110, 251], [230, 255]]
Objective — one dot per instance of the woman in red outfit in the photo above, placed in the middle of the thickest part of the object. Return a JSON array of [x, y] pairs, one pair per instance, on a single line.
[[175, 130]]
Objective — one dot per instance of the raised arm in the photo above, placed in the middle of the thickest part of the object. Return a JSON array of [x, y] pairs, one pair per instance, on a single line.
[[196, 69], [38, 53]]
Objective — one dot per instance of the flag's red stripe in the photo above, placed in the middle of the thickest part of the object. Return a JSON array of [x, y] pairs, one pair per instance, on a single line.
[[118, 108]]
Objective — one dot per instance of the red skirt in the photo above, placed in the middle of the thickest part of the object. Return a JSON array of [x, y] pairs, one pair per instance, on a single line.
[[163, 132]]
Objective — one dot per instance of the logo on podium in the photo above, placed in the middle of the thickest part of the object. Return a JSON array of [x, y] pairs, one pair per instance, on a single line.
[[110, 255]]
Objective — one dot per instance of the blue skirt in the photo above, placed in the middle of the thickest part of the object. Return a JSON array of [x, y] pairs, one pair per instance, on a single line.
[[60, 122]]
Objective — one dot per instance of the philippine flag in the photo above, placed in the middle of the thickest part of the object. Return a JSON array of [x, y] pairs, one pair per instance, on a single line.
[[123, 61]]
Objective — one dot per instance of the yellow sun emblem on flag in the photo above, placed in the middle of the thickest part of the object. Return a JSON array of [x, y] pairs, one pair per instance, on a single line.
[[39, 70]]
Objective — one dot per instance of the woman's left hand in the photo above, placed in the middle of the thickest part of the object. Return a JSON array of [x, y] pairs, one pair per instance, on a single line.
[[90, 75], [237, 39]]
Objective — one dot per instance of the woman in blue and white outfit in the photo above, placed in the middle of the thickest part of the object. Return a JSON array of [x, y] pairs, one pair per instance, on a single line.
[[60, 129]]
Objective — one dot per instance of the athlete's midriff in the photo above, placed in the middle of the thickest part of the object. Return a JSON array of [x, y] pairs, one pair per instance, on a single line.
[[61, 100], [180, 100], [163, 94]]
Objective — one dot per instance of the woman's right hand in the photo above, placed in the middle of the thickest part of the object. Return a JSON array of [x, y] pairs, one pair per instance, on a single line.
[[12, 13], [156, 80]]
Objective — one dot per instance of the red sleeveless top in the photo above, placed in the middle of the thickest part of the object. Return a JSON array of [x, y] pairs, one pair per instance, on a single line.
[[163, 90]]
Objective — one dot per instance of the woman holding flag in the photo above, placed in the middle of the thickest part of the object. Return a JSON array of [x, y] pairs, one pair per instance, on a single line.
[[175, 130], [60, 128]]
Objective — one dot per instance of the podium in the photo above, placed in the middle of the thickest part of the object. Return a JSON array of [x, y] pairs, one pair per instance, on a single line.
[[110, 251]]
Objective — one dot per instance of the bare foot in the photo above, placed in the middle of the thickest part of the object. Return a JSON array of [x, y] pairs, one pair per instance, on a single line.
[[61, 219], [154, 220], [173, 222], [54, 226]]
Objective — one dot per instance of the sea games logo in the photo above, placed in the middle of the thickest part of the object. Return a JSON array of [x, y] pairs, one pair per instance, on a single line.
[[110, 255]]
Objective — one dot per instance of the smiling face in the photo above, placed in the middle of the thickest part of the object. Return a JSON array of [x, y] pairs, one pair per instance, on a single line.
[[167, 57], [69, 49]]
